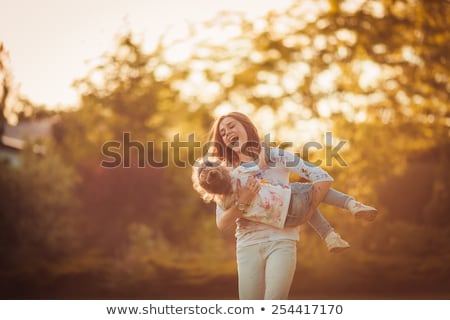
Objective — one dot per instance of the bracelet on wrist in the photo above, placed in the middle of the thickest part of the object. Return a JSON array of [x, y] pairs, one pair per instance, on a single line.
[[241, 206]]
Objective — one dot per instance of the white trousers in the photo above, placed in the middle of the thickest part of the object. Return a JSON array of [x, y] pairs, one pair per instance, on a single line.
[[266, 270]]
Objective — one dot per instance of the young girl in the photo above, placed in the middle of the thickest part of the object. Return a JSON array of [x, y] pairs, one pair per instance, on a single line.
[[275, 205]]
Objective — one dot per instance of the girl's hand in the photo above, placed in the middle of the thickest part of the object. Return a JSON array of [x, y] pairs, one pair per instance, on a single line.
[[247, 193], [245, 196]]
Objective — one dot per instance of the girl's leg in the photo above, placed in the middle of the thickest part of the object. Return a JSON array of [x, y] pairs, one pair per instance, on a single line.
[[337, 198], [320, 224], [281, 261], [251, 266], [301, 198], [359, 210], [300, 203], [333, 240]]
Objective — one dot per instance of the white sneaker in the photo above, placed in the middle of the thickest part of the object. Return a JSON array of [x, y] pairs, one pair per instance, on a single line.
[[362, 211], [335, 243]]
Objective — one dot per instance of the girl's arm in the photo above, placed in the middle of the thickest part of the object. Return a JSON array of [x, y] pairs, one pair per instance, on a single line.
[[245, 195]]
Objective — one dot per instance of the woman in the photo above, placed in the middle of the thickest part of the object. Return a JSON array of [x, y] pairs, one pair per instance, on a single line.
[[266, 256]]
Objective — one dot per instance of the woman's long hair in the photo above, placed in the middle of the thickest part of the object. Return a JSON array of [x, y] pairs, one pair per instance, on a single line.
[[221, 151]]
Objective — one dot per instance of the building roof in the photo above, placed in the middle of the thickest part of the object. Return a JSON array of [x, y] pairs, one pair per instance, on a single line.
[[15, 137]]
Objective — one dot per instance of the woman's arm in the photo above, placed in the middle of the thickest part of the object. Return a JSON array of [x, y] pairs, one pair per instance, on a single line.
[[245, 196], [319, 191], [319, 178], [295, 164]]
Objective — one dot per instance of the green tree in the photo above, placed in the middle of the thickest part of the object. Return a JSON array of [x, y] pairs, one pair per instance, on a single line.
[[38, 210]]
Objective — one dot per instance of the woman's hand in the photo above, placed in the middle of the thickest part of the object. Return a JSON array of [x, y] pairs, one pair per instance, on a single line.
[[246, 194]]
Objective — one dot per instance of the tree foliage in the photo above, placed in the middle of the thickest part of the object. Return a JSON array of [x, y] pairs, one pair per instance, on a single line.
[[38, 210]]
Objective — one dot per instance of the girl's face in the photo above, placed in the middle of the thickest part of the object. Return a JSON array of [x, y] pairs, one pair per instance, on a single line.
[[233, 133]]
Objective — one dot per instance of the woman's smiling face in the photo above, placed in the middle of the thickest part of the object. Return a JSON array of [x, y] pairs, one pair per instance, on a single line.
[[233, 133]]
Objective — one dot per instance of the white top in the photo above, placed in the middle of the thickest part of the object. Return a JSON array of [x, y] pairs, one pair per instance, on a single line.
[[271, 204], [280, 165]]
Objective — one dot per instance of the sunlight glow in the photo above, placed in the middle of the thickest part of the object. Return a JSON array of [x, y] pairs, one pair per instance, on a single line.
[[264, 119], [370, 74], [294, 76], [51, 41], [402, 98], [283, 26], [343, 52], [227, 80], [302, 40], [324, 108], [326, 80], [256, 57], [380, 48], [229, 106], [290, 83], [334, 104], [210, 92], [267, 90], [351, 6], [320, 42], [162, 72], [308, 130], [197, 87], [361, 116], [376, 9], [179, 53], [410, 56], [347, 36], [223, 108], [308, 53], [310, 9]]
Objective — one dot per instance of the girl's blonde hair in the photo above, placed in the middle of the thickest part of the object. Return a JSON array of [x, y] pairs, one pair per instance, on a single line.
[[211, 180]]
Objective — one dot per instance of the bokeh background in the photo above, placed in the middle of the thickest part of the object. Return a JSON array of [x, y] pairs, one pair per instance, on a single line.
[[374, 73]]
